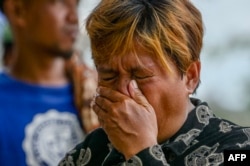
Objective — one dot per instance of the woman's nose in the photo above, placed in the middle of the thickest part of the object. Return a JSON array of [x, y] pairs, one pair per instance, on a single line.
[[122, 85]]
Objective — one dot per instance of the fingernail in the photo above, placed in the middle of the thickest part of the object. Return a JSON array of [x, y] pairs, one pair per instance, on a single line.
[[98, 90], [92, 103], [134, 84], [96, 95]]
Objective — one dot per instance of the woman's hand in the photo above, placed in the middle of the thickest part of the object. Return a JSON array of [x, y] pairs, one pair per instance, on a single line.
[[129, 121]]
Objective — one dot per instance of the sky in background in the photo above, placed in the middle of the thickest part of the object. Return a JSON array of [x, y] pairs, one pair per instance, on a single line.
[[226, 52]]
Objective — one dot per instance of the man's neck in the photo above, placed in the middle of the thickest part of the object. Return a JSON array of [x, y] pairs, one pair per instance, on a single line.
[[39, 69]]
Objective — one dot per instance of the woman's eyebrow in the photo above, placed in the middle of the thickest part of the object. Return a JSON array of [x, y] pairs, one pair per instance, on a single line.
[[104, 70]]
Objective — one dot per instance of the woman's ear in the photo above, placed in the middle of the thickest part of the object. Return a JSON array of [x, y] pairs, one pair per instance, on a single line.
[[14, 11], [193, 76]]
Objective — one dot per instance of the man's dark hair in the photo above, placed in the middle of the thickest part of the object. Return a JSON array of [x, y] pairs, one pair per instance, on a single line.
[[1, 5]]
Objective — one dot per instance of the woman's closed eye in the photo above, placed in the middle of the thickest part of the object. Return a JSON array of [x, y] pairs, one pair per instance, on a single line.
[[108, 77], [140, 77]]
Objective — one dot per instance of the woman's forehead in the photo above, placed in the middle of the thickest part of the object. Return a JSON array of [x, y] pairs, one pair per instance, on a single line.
[[129, 61]]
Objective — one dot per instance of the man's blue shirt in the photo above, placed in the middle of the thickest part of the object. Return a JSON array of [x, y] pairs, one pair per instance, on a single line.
[[38, 124]]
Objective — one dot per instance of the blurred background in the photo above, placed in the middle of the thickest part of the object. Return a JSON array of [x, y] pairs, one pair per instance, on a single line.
[[225, 75]]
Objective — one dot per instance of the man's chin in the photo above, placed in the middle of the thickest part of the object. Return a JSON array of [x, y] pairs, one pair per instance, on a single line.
[[63, 53], [67, 54]]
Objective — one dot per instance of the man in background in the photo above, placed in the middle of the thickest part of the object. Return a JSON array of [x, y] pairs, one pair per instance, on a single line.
[[40, 115]]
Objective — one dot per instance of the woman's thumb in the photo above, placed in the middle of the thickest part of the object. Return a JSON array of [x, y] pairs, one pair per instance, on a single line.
[[136, 93]]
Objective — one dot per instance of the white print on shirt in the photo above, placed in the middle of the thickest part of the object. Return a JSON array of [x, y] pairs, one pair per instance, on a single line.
[[204, 155], [49, 136], [247, 142], [188, 137], [203, 114]]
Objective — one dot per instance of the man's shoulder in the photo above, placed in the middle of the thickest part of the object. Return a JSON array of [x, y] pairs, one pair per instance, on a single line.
[[5, 85], [2, 77], [6, 81]]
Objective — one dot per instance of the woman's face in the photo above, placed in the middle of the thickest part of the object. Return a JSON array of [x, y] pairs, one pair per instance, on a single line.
[[168, 92]]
